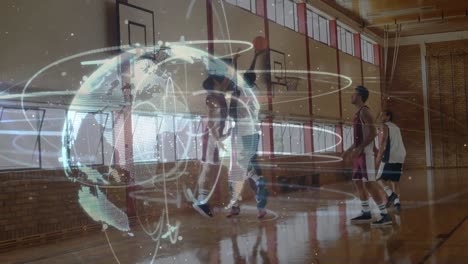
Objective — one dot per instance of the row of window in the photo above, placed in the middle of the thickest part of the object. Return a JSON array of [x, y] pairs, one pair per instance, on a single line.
[[250, 5], [284, 12], [34, 138]]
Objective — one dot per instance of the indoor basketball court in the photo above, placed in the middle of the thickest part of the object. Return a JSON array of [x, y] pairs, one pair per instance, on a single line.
[[233, 131]]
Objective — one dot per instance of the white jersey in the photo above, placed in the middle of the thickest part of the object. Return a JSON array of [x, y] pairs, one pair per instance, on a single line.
[[248, 112], [395, 151]]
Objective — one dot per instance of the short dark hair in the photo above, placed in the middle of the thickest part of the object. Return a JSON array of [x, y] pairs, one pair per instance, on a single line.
[[389, 114], [363, 92], [209, 84], [250, 78]]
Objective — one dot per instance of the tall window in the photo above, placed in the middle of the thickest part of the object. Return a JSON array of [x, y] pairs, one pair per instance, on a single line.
[[367, 50], [186, 137], [250, 5], [345, 40], [283, 12], [20, 141], [348, 135], [324, 137], [145, 131], [318, 27], [288, 138], [51, 138], [86, 135]]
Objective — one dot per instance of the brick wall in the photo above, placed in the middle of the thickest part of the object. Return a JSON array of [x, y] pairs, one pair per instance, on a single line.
[[38, 204], [404, 96], [448, 100], [41, 202]]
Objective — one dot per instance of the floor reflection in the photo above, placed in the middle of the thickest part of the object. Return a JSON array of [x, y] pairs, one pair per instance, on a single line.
[[310, 226]]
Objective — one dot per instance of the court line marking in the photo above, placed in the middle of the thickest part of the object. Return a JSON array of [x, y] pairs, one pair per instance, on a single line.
[[442, 241]]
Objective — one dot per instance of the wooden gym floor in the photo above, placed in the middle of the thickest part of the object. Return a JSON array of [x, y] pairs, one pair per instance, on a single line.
[[310, 226]]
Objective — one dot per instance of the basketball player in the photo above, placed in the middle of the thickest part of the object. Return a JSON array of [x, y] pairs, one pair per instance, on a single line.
[[364, 175], [244, 109], [212, 138], [390, 158]]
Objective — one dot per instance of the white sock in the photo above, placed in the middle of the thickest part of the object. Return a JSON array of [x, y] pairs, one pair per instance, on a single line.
[[388, 191], [397, 200], [236, 190], [365, 206], [398, 219], [202, 194], [383, 209], [253, 175]]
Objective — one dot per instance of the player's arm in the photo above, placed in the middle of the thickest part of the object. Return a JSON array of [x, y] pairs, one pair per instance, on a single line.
[[226, 135], [213, 118], [349, 150], [368, 129], [383, 143]]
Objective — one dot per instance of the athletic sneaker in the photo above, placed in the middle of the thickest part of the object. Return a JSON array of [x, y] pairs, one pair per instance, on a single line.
[[365, 217], [397, 207], [203, 209], [385, 220], [261, 213], [390, 199], [261, 195], [235, 210]]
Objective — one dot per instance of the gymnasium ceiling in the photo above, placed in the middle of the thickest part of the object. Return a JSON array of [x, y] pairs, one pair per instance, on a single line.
[[417, 17]]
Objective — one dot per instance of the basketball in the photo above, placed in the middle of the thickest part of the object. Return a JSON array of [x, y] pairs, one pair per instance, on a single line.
[[260, 43]]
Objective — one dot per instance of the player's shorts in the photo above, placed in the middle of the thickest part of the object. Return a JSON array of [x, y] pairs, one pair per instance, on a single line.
[[364, 167], [390, 171], [210, 150]]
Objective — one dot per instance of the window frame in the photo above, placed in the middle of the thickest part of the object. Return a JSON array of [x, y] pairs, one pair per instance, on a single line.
[[314, 19], [345, 36], [282, 10], [288, 126], [367, 50], [319, 130]]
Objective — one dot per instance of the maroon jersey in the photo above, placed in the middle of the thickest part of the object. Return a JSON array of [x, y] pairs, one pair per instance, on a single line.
[[363, 164], [357, 127]]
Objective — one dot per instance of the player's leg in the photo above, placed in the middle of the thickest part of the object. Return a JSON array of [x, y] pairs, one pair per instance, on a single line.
[[365, 216], [250, 145], [210, 166], [208, 173], [236, 175], [382, 178], [376, 191], [358, 180], [397, 169], [236, 185], [391, 195], [387, 179]]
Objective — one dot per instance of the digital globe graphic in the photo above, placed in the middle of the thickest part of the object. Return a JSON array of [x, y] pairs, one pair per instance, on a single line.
[[154, 91]]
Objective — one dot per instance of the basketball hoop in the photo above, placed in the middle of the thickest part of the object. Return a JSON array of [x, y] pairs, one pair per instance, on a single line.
[[291, 83]]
